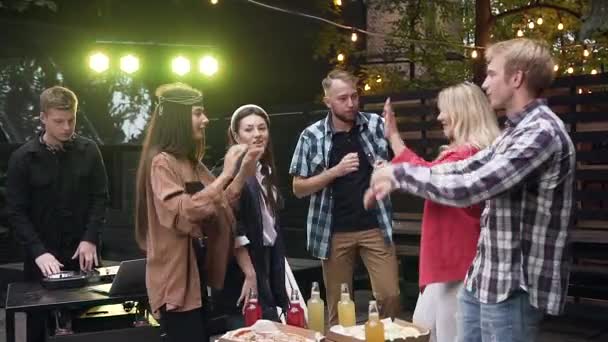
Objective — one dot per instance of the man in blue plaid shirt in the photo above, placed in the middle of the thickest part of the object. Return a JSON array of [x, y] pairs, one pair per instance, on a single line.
[[332, 163], [526, 178]]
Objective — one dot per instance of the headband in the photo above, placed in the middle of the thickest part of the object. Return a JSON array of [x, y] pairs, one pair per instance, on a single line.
[[241, 108]]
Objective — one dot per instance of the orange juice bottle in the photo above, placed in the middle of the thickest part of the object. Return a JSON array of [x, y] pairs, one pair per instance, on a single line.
[[316, 310], [374, 328], [346, 308]]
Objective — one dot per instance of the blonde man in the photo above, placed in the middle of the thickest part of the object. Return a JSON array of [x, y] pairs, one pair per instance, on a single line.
[[57, 194], [333, 163], [449, 235], [526, 177]]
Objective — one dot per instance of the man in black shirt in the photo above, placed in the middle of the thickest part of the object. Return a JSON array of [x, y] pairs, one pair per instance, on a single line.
[[57, 193], [333, 163]]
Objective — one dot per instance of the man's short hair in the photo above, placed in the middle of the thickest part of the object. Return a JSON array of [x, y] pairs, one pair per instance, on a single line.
[[338, 74], [58, 98], [530, 56]]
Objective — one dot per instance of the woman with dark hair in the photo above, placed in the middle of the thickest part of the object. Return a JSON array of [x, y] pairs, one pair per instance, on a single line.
[[180, 206], [260, 251]]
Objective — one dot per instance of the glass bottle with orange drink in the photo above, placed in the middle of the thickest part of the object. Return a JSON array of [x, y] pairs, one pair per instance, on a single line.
[[346, 308], [374, 328]]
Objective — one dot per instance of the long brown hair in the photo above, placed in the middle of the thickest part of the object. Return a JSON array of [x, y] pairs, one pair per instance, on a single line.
[[267, 160], [170, 131]]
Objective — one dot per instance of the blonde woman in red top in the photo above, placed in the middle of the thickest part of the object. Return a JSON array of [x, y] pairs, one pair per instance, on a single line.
[[449, 235]]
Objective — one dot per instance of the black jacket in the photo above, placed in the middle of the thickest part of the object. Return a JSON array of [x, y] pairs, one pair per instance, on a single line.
[[271, 285], [55, 200]]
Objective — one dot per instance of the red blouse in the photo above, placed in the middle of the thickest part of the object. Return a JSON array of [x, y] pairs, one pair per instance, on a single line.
[[449, 235]]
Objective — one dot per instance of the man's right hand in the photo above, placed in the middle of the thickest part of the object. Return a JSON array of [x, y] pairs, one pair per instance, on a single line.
[[348, 164], [48, 264]]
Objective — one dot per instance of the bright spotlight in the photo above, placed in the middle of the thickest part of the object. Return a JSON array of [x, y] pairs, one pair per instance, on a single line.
[[129, 64], [208, 65], [99, 62], [180, 65]]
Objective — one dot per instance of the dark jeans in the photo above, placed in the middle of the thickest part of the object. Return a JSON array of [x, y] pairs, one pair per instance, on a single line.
[[187, 326]]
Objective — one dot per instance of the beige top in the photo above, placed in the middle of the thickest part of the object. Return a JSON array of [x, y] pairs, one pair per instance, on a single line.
[[174, 218]]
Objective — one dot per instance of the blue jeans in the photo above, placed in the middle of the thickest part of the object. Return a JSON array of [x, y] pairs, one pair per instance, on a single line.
[[513, 320]]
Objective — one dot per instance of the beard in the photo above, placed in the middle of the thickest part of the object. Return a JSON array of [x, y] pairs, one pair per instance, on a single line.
[[345, 118]]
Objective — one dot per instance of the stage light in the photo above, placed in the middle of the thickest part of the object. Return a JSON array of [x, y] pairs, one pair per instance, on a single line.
[[129, 64], [99, 62], [208, 65], [180, 65]]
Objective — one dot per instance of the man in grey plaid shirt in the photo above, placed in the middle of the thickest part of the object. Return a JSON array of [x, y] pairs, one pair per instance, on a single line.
[[526, 179], [332, 163]]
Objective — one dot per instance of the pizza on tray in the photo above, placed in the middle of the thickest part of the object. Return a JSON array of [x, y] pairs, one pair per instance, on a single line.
[[249, 335]]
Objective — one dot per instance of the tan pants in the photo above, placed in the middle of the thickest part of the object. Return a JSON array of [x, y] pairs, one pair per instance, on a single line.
[[380, 261]]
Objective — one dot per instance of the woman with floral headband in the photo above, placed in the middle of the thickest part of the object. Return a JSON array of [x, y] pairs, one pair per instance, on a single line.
[[180, 206]]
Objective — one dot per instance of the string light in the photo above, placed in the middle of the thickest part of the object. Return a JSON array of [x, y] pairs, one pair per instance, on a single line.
[[580, 90], [520, 33], [474, 54], [340, 57], [214, 2], [367, 87], [570, 70], [560, 26], [354, 37], [586, 53], [379, 79], [531, 25], [593, 72], [338, 2], [539, 21], [556, 67]]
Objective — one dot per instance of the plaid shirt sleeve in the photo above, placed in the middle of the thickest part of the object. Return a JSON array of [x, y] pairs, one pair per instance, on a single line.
[[299, 162], [490, 172]]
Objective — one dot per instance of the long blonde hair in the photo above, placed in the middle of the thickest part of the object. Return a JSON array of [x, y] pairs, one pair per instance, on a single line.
[[473, 120]]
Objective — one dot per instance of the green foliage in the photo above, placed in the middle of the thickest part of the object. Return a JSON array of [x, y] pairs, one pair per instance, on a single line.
[[22, 5], [431, 34]]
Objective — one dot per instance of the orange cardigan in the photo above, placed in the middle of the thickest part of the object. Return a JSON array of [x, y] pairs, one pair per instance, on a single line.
[[174, 218]]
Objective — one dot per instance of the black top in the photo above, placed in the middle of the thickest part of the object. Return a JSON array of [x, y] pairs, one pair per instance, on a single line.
[[348, 214], [55, 199]]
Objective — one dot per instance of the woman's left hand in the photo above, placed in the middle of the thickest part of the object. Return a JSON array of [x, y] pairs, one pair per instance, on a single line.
[[249, 283]]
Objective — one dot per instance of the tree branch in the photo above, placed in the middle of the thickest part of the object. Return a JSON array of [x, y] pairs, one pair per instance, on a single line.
[[537, 5]]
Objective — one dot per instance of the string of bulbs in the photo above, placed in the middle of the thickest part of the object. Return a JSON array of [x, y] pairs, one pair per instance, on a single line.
[[355, 30]]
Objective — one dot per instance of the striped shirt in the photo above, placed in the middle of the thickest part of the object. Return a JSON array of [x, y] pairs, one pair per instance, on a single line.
[[526, 178], [311, 157]]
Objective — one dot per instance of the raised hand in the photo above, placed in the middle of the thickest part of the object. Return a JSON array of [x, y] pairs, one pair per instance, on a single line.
[[390, 124], [231, 159], [252, 156]]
